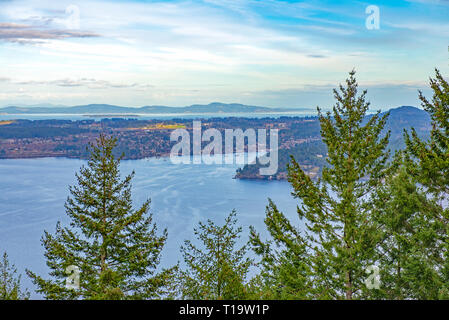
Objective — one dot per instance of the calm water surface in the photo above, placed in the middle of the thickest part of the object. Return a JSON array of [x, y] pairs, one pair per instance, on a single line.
[[33, 192], [162, 116]]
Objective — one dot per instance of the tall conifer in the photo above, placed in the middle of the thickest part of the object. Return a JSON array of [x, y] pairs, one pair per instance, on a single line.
[[10, 281], [340, 237], [428, 163], [114, 248], [217, 269]]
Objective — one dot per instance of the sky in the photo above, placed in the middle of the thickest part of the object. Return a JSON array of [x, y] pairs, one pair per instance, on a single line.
[[270, 53]]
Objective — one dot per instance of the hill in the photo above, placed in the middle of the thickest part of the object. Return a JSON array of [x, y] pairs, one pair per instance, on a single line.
[[311, 155], [215, 107]]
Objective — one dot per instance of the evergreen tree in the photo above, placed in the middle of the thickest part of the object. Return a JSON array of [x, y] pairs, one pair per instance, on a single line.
[[10, 287], [428, 162], [408, 245], [285, 272], [340, 237], [217, 270], [115, 248]]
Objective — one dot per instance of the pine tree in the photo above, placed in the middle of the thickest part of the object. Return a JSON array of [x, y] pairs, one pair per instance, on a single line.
[[10, 282], [428, 163], [115, 249], [217, 270], [340, 237]]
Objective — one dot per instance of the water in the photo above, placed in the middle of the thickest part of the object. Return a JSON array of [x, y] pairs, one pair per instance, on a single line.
[[33, 192], [162, 116]]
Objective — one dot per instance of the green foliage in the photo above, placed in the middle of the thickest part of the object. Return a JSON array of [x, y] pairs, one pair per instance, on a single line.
[[364, 210], [284, 266], [408, 244], [340, 236], [115, 247], [428, 163], [216, 270], [10, 288], [432, 157]]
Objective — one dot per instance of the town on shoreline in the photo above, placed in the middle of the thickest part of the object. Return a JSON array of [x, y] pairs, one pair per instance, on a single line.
[[138, 139]]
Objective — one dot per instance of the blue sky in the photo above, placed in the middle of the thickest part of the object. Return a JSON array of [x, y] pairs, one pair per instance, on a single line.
[[176, 53]]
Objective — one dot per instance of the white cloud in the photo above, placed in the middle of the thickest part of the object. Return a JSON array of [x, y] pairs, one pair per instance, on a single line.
[[218, 48]]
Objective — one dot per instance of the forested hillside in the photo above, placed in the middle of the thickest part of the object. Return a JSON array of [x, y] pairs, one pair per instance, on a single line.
[[311, 155]]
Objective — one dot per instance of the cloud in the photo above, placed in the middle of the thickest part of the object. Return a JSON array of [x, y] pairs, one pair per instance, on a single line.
[[433, 2], [243, 45], [83, 82], [318, 56], [20, 33], [424, 27], [328, 87], [382, 95]]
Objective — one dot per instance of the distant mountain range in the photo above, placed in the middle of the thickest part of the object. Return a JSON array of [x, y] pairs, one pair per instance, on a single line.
[[215, 107]]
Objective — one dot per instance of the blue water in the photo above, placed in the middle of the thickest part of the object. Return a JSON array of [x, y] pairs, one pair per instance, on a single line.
[[33, 192], [74, 117]]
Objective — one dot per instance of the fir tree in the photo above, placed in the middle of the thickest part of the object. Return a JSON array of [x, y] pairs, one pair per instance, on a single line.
[[115, 248], [217, 270], [408, 245], [432, 157], [340, 237], [285, 273], [10, 286], [428, 163]]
